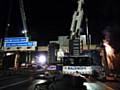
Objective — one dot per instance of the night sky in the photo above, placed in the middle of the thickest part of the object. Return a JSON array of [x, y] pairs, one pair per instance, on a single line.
[[47, 19]]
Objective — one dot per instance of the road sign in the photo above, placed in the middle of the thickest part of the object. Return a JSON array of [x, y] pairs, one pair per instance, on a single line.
[[16, 39], [21, 44]]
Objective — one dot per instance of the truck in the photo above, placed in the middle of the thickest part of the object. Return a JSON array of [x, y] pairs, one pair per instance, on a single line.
[[87, 64]]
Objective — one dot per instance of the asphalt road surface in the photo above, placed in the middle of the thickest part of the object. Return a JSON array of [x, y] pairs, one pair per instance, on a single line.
[[23, 83], [90, 85], [15, 82]]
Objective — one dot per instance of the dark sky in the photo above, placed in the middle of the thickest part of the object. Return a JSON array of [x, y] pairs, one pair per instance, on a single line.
[[46, 19]]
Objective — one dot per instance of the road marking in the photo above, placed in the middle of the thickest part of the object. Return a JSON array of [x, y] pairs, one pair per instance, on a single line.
[[93, 83], [13, 84], [105, 85], [97, 86]]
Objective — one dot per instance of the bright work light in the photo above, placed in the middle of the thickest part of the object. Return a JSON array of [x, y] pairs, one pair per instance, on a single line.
[[42, 59]]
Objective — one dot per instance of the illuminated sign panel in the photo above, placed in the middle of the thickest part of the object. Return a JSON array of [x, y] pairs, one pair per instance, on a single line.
[[21, 44], [16, 39]]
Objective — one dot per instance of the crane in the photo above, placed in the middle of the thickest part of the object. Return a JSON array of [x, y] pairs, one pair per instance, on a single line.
[[80, 59], [76, 21], [25, 31], [23, 17], [74, 41]]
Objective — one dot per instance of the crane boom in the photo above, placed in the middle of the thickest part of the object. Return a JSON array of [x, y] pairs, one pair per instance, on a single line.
[[23, 16], [76, 20], [74, 42]]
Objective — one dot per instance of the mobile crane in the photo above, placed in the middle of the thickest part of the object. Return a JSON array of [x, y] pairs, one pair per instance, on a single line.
[[83, 62]]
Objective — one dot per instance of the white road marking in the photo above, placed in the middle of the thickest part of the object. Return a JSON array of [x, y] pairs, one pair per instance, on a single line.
[[97, 86]]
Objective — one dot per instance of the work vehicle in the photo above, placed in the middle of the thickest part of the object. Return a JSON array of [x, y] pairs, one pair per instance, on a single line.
[[87, 64]]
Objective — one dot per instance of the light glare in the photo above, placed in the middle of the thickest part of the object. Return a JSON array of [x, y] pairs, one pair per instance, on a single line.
[[42, 59], [24, 31], [110, 54]]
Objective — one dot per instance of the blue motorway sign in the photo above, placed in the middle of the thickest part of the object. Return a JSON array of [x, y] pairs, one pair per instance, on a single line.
[[21, 44], [16, 39]]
